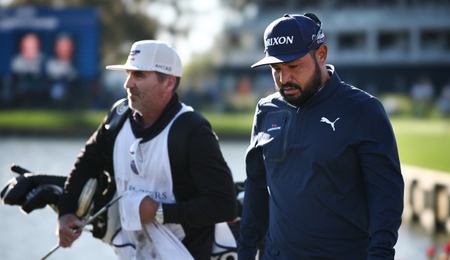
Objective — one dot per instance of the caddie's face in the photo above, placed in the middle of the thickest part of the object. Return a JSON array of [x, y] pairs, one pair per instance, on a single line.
[[145, 91], [298, 80]]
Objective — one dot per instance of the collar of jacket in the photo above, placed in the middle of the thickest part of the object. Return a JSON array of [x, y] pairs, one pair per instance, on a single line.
[[328, 89], [166, 116]]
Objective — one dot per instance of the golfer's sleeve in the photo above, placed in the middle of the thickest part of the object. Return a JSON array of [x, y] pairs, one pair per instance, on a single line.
[[383, 180], [255, 212]]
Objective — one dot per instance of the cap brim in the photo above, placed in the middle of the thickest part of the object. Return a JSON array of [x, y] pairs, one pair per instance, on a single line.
[[279, 59], [131, 67], [123, 67]]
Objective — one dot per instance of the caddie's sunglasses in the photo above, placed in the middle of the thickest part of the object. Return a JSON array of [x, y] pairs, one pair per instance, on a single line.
[[319, 23], [137, 158]]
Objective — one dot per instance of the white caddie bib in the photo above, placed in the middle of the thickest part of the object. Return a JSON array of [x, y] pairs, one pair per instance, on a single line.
[[155, 180]]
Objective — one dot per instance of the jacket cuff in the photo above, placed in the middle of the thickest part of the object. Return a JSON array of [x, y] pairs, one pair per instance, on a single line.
[[171, 214], [246, 252]]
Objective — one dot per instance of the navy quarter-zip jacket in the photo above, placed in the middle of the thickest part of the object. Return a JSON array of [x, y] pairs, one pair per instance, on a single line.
[[323, 180]]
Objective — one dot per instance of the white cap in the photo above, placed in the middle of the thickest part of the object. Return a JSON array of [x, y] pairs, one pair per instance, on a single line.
[[150, 55]]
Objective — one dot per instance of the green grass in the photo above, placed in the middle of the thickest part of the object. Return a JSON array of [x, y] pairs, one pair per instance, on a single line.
[[50, 119], [230, 123], [423, 143]]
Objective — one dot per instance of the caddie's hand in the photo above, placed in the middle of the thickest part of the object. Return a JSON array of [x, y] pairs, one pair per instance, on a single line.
[[66, 224], [148, 209]]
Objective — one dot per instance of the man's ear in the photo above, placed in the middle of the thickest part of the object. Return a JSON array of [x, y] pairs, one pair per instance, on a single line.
[[321, 54], [171, 81]]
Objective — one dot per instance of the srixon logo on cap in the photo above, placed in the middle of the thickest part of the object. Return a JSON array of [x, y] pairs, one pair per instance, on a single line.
[[280, 40]]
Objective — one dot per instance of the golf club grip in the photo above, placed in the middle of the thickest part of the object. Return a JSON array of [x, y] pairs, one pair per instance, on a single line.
[[85, 224], [19, 170]]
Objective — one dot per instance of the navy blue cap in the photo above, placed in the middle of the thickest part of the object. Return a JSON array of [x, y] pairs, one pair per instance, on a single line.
[[289, 38]]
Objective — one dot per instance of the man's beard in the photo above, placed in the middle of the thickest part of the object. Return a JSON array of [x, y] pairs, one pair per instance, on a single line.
[[307, 92]]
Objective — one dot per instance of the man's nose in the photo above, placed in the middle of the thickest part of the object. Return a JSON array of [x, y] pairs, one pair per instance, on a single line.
[[128, 83], [285, 76]]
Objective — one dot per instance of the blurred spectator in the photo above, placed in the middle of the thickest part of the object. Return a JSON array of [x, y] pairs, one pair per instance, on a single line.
[[443, 102], [27, 86], [61, 72], [422, 93], [243, 99]]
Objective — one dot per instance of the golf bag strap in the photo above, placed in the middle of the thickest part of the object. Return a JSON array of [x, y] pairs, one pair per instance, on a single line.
[[114, 122], [106, 184]]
